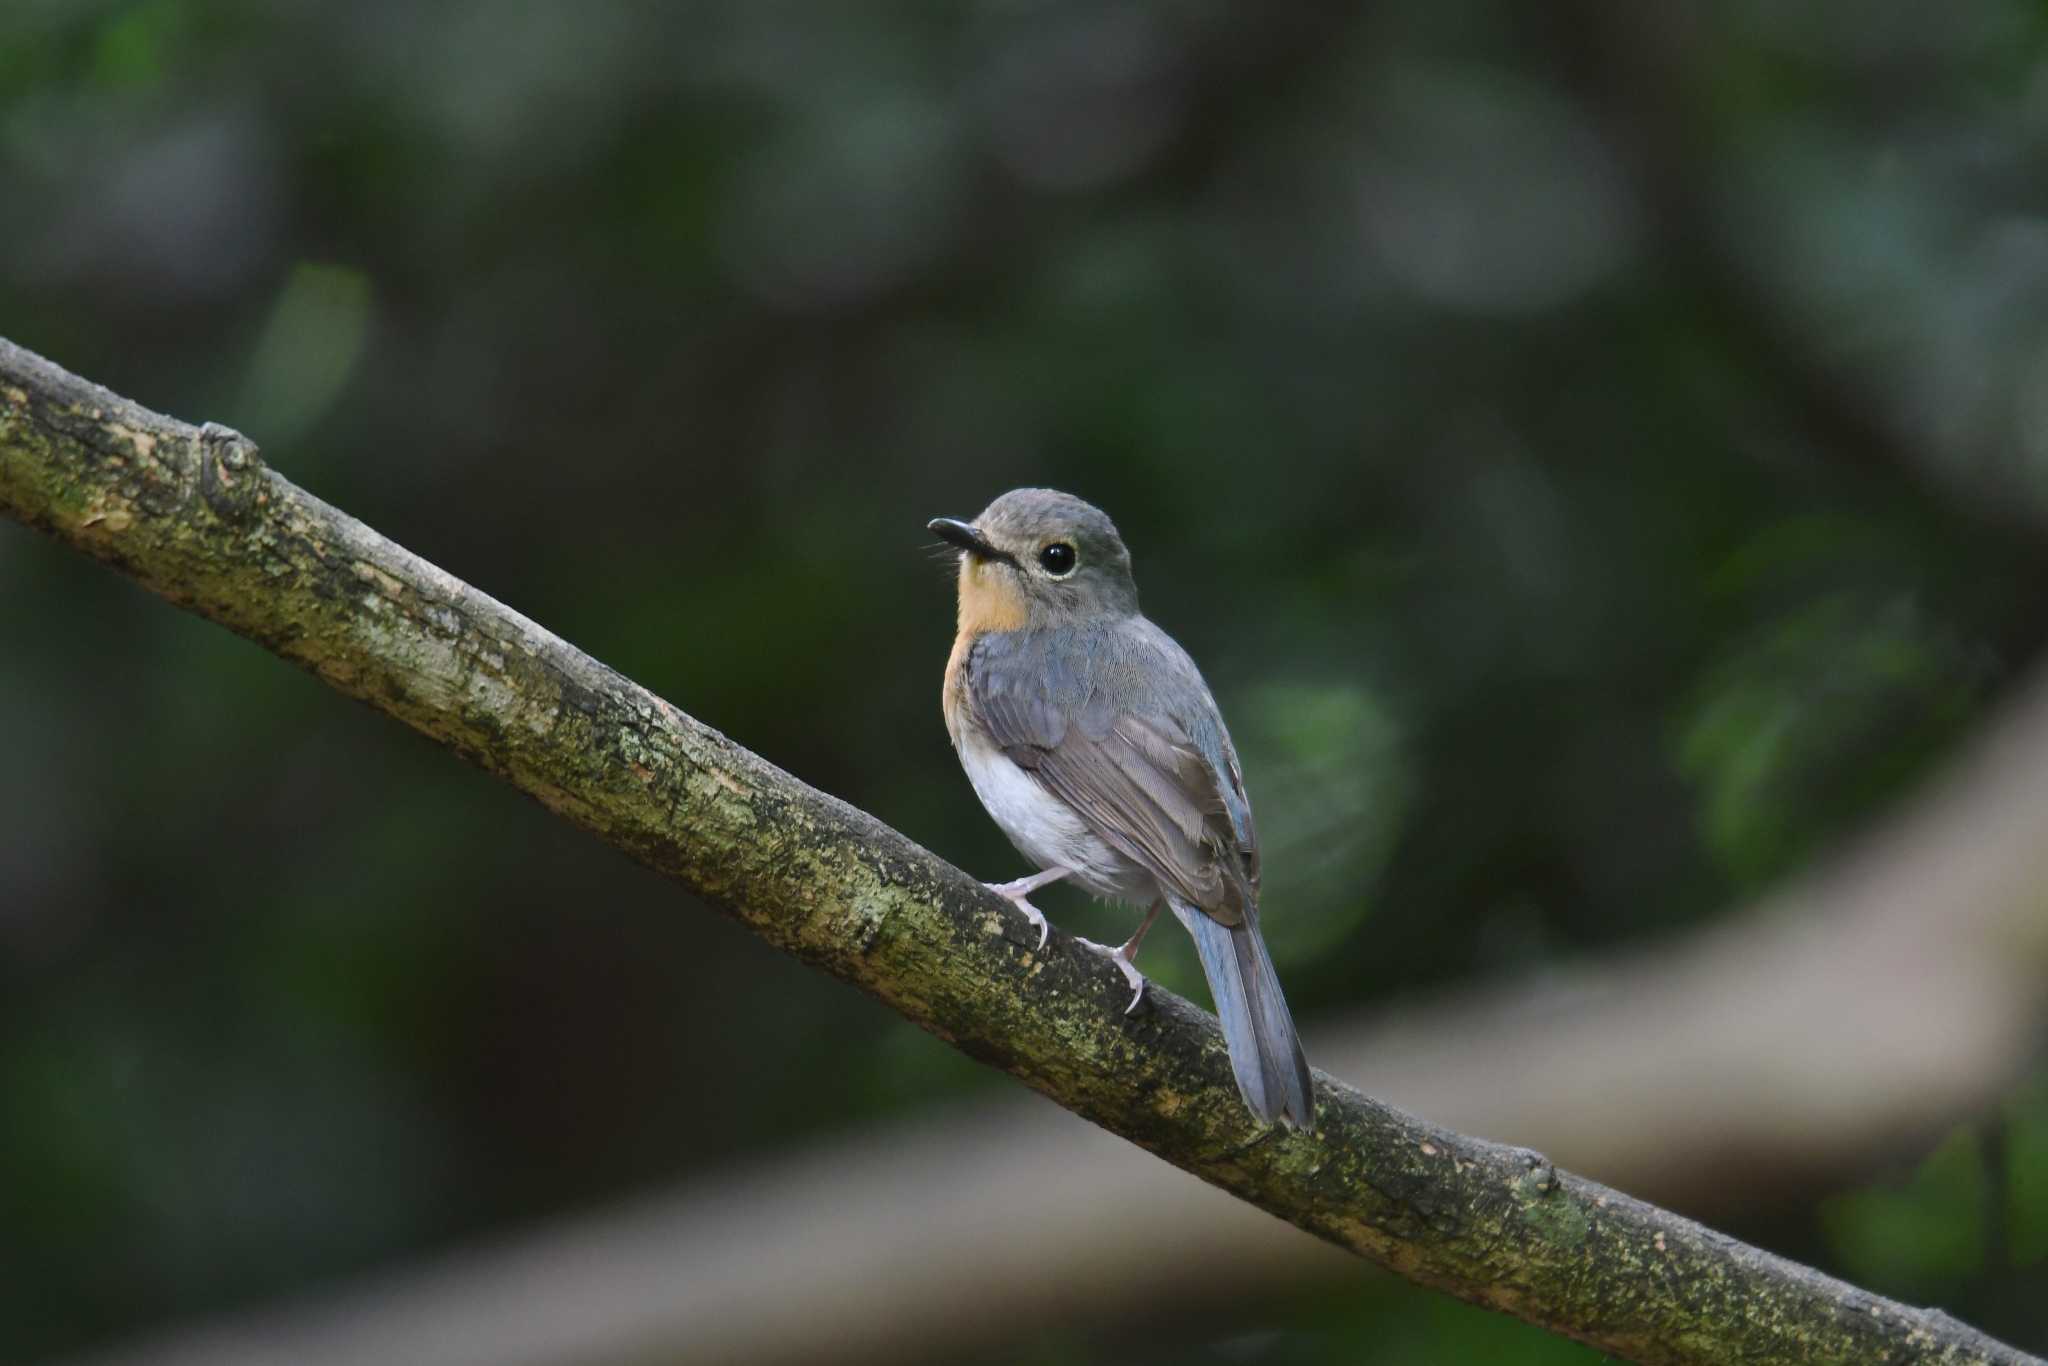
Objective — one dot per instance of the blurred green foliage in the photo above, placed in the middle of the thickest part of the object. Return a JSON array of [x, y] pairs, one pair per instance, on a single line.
[[1970, 1215], [2025, 1208], [1923, 1235], [1599, 463]]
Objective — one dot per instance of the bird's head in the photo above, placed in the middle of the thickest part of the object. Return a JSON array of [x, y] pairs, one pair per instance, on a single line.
[[1039, 557]]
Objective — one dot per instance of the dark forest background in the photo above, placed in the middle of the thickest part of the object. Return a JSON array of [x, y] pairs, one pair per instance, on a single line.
[[1599, 455]]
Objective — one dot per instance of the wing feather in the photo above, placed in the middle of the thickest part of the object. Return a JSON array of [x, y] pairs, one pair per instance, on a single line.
[[1130, 769]]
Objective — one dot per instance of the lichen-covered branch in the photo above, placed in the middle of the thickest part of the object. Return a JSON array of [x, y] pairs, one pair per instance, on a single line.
[[195, 515]]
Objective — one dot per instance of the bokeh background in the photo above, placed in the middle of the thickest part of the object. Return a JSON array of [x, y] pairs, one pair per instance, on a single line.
[[1600, 459]]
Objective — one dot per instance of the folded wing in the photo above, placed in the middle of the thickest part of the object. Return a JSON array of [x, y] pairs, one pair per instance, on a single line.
[[1141, 777]]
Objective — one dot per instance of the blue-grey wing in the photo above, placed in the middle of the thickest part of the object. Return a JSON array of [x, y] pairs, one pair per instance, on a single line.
[[1202, 722], [1115, 721]]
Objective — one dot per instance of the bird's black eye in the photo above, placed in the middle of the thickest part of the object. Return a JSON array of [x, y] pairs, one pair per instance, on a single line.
[[1058, 559]]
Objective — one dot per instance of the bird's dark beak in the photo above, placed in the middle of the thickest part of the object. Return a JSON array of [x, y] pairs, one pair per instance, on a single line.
[[959, 533]]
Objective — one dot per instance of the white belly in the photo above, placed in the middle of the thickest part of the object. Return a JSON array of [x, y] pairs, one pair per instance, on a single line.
[[1044, 829]]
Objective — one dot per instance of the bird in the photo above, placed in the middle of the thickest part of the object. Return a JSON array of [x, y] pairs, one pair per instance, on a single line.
[[1088, 734]]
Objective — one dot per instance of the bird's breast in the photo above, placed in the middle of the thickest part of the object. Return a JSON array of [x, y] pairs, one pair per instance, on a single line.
[[1045, 829], [953, 696], [989, 601]]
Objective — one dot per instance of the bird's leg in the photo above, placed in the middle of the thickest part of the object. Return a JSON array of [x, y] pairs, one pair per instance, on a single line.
[[1015, 892], [1129, 951], [1126, 956]]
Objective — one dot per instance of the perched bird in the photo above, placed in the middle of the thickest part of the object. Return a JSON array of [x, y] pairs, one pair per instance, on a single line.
[[1091, 738]]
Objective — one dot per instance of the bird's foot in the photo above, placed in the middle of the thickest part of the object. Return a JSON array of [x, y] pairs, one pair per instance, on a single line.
[[1014, 893], [1017, 889], [1122, 958]]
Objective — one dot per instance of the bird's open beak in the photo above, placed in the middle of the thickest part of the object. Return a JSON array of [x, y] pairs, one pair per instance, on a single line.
[[964, 535]]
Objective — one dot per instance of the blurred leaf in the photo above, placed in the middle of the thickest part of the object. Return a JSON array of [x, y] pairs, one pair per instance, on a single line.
[[1919, 1236], [2026, 1174], [133, 46], [1330, 792], [1816, 718], [306, 352]]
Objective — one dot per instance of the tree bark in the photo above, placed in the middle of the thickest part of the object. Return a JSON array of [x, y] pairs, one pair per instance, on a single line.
[[195, 515]]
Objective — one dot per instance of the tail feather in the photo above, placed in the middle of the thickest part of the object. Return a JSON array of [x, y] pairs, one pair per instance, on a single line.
[[1265, 1052]]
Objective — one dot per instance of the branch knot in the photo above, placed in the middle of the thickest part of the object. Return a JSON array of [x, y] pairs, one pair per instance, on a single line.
[[230, 467]]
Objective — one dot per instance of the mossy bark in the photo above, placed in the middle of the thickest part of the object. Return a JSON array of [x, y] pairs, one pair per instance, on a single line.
[[195, 515]]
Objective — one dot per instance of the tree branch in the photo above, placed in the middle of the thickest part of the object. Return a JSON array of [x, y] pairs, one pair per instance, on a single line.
[[194, 514]]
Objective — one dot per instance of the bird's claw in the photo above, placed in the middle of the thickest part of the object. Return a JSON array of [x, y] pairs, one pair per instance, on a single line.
[[1013, 892], [1127, 968]]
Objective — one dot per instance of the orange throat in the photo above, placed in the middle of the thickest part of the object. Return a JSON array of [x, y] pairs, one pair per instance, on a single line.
[[989, 601]]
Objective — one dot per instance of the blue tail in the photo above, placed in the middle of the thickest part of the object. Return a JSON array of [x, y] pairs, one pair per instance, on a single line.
[[1265, 1052]]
